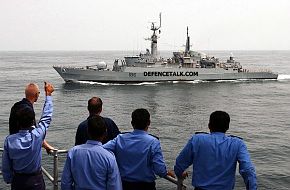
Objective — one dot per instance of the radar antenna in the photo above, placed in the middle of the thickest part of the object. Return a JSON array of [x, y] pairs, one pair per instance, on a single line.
[[154, 37], [187, 45]]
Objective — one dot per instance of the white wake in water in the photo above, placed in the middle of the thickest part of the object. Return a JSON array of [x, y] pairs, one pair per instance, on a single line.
[[283, 77], [117, 84]]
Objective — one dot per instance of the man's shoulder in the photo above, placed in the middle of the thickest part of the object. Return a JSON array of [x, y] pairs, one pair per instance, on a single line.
[[108, 153], [83, 124], [154, 136], [74, 149], [24, 101], [234, 136], [125, 134], [108, 120], [11, 137], [20, 104], [96, 149], [200, 134]]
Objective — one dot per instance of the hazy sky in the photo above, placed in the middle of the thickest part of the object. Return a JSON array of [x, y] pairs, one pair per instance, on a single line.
[[123, 24]]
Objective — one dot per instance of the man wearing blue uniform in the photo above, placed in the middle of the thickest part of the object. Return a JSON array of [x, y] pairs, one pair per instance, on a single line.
[[21, 160], [95, 107], [31, 96], [214, 157], [90, 166], [138, 154]]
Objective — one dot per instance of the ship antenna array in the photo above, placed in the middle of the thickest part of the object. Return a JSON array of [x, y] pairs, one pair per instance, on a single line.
[[187, 45], [153, 27], [154, 38]]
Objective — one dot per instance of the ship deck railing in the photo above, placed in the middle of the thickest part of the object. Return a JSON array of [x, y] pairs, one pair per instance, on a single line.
[[55, 180], [256, 70]]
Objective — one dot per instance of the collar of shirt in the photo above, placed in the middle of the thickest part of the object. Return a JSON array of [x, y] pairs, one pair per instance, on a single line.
[[27, 130], [218, 133], [92, 116], [94, 142], [138, 131], [27, 102]]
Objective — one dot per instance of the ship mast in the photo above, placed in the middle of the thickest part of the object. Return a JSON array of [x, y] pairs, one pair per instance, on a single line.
[[154, 38], [187, 46]]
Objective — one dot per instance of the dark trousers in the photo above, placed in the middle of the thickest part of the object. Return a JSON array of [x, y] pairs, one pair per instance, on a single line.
[[138, 185], [32, 181]]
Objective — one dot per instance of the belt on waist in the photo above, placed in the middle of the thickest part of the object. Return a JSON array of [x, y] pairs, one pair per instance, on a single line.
[[28, 174], [140, 185]]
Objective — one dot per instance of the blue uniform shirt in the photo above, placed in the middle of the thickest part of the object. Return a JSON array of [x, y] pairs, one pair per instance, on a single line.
[[138, 155], [22, 151], [214, 158], [90, 166]]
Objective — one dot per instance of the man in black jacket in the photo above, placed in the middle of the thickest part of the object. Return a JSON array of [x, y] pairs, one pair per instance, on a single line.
[[95, 107]]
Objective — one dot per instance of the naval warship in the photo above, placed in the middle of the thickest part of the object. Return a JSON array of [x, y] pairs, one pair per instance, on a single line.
[[185, 65]]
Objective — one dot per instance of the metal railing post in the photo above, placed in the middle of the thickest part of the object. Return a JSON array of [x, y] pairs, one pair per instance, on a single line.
[[180, 185], [178, 182], [55, 170]]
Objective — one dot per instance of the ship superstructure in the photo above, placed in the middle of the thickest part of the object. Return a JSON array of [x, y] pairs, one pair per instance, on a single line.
[[150, 57]]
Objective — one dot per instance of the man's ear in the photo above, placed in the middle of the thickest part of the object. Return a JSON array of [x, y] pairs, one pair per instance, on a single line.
[[149, 122]]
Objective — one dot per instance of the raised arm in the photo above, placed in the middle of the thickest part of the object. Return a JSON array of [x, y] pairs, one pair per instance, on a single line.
[[45, 119]]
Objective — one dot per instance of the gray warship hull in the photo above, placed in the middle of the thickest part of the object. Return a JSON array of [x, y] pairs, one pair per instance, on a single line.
[[157, 74]]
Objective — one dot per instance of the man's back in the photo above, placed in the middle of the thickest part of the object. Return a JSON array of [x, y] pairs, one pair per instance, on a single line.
[[90, 166], [138, 155], [214, 158]]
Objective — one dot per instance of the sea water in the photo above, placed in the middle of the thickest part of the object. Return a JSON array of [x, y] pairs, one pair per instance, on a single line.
[[259, 109]]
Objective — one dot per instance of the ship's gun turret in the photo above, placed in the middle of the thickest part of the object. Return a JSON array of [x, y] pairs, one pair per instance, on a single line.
[[102, 65]]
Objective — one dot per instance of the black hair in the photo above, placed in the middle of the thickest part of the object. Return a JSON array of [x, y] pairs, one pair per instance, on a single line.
[[96, 127], [95, 105], [219, 121], [26, 116], [140, 119]]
